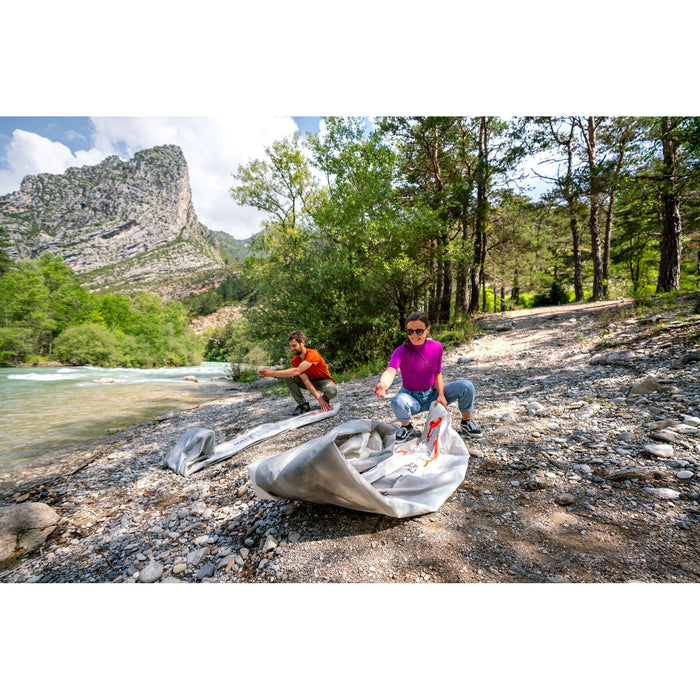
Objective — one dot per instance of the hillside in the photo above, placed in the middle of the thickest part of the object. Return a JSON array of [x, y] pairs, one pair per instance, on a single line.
[[122, 226]]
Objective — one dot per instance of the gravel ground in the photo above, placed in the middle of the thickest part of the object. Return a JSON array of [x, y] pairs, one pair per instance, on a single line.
[[575, 479]]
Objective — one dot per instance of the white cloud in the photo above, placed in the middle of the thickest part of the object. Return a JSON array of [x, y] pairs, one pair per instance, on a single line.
[[214, 147], [30, 154]]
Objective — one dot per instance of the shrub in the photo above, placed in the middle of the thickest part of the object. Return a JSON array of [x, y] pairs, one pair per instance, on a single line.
[[89, 344]]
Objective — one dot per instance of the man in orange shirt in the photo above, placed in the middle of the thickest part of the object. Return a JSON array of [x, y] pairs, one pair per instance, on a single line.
[[308, 371]]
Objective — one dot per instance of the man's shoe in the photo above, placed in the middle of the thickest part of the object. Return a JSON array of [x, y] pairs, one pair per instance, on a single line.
[[468, 428], [406, 432], [301, 408]]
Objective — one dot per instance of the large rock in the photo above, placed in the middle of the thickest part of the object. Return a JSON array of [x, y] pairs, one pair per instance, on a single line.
[[24, 527], [121, 223], [648, 386]]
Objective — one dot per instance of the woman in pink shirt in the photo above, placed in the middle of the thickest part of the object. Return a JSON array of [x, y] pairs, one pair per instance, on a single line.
[[419, 360]]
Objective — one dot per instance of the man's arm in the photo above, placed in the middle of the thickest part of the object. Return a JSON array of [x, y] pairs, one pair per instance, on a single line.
[[291, 372], [385, 381]]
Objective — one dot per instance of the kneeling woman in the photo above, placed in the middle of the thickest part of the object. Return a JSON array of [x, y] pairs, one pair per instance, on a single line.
[[419, 360]]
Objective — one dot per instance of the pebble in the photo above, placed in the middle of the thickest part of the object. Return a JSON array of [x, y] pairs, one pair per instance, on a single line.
[[663, 493], [206, 571], [659, 450], [216, 526], [151, 573]]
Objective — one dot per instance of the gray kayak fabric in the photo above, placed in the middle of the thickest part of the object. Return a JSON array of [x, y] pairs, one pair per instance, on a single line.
[[197, 448], [358, 465]]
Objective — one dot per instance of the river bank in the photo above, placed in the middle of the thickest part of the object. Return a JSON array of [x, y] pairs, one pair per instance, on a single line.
[[562, 487], [51, 410]]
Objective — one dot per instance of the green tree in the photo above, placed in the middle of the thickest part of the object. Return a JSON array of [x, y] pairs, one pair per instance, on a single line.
[[5, 260], [89, 344]]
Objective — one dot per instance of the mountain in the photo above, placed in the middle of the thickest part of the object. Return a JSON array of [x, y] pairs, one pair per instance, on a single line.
[[121, 225]]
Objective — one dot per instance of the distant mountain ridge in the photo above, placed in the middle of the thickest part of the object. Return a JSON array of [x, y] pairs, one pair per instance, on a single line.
[[121, 225]]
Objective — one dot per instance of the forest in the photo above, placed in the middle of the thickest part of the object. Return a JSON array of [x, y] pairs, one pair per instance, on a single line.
[[45, 314], [373, 218]]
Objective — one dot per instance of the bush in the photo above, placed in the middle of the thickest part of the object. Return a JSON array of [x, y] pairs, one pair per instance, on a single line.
[[89, 344], [557, 294], [15, 345]]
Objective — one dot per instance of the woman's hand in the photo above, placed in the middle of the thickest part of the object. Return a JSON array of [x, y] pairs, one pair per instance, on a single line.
[[380, 390], [441, 399]]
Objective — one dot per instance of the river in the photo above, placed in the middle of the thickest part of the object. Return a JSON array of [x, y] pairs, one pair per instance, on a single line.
[[49, 410]]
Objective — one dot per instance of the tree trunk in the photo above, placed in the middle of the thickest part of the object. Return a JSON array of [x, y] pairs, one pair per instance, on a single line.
[[608, 241], [593, 220], [671, 243], [477, 276], [461, 288], [573, 223], [446, 289]]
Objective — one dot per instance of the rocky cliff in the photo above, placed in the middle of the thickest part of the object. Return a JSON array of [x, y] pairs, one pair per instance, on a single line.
[[120, 225]]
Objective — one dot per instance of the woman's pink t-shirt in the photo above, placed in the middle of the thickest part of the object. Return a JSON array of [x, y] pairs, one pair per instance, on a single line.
[[418, 364]]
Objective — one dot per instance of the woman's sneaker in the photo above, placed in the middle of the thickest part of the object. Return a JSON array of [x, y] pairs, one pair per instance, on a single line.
[[301, 408], [468, 428], [406, 432]]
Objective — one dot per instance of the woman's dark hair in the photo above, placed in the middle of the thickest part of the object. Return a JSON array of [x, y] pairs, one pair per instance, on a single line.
[[416, 316]]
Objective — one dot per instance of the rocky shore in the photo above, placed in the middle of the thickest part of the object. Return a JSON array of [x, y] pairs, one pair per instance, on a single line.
[[588, 471]]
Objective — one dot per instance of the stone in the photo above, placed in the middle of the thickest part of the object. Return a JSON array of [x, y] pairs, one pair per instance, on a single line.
[[24, 527], [684, 474], [190, 378], [269, 544], [647, 386], [690, 357], [628, 473], [535, 408], [665, 436], [588, 411], [625, 436], [565, 499], [151, 573], [293, 537], [207, 571], [535, 483], [195, 557], [659, 450], [179, 568], [663, 493], [691, 421]]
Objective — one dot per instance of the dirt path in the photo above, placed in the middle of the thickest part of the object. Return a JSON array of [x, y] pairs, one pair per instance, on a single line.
[[561, 487]]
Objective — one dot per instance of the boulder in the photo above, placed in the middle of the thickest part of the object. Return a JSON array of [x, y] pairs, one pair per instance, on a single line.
[[24, 527], [648, 386]]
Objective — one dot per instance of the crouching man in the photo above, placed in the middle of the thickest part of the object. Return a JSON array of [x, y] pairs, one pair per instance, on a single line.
[[308, 371]]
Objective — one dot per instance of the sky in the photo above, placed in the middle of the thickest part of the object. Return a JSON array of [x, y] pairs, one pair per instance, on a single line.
[[214, 147]]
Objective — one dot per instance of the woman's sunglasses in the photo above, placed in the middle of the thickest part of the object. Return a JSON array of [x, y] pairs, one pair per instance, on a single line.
[[418, 331]]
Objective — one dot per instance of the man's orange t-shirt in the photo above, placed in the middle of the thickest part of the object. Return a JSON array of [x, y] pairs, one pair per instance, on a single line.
[[318, 369]]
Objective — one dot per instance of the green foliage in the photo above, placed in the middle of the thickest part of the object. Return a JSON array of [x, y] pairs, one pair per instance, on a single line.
[[5, 259], [89, 344], [233, 289], [45, 312]]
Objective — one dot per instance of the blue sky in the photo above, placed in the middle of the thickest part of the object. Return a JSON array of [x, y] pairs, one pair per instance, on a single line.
[[213, 148]]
